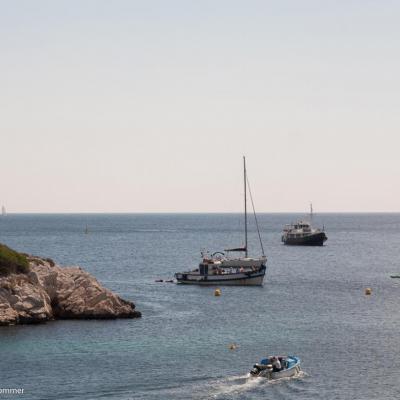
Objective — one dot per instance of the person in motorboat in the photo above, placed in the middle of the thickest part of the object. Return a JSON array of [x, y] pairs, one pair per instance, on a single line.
[[276, 364], [271, 363]]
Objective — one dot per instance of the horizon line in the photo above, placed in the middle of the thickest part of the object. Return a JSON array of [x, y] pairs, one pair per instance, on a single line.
[[190, 212]]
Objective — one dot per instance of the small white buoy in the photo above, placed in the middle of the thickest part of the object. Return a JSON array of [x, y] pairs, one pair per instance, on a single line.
[[217, 292]]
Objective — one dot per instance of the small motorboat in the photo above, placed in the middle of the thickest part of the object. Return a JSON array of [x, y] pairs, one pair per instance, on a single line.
[[290, 366]]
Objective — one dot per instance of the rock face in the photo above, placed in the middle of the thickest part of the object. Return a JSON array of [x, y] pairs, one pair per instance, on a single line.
[[50, 292]]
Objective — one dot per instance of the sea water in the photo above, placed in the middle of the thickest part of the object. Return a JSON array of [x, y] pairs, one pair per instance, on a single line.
[[312, 305]]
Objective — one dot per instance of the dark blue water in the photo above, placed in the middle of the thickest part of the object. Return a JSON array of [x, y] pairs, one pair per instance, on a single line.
[[312, 305]]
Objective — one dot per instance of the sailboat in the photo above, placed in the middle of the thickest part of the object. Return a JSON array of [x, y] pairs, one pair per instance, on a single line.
[[3, 211], [220, 268]]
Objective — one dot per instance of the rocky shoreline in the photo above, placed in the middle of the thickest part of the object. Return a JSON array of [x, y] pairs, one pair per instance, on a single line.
[[50, 292]]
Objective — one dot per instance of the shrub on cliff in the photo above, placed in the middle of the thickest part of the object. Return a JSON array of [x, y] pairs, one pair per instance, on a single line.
[[12, 262]]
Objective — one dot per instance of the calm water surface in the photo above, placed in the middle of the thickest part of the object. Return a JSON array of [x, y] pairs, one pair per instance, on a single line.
[[312, 305]]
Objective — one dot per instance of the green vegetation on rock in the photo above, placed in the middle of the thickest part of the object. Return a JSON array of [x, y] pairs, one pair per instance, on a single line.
[[12, 262]]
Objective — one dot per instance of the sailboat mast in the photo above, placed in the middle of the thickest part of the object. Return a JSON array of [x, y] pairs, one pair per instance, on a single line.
[[245, 205]]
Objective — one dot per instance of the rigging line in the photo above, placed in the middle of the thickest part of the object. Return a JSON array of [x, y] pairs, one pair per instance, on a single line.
[[255, 216]]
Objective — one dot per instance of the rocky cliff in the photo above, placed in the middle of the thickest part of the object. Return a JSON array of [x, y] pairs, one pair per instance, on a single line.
[[47, 291]]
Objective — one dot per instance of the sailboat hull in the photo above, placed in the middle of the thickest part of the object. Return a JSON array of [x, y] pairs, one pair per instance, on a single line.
[[239, 279]]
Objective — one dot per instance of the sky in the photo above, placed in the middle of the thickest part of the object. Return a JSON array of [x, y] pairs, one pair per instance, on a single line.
[[149, 106]]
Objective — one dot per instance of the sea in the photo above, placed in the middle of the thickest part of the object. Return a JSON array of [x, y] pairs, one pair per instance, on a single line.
[[312, 305]]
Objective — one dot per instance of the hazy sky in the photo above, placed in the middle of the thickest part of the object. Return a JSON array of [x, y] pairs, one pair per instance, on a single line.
[[131, 106]]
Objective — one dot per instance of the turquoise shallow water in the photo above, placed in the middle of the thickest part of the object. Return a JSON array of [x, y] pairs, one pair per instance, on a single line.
[[312, 305]]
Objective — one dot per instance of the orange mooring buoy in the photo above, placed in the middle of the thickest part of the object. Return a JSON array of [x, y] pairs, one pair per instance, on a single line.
[[217, 292]]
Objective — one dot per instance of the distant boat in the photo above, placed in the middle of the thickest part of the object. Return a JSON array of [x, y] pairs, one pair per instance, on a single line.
[[303, 234], [3, 211], [220, 269]]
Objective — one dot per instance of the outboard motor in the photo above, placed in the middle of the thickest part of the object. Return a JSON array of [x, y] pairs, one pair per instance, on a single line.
[[262, 370], [255, 371]]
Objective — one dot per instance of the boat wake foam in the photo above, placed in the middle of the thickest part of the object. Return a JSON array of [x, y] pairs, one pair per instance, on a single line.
[[233, 385], [223, 388], [236, 385]]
